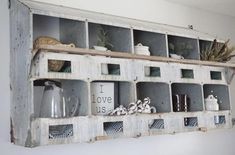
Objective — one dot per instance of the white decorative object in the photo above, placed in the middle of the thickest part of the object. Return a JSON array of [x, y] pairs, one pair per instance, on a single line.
[[142, 50], [121, 110], [138, 107], [102, 97], [211, 103], [175, 56], [100, 48]]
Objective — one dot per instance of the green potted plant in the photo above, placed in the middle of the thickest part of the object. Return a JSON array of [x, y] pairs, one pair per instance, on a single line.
[[103, 42]]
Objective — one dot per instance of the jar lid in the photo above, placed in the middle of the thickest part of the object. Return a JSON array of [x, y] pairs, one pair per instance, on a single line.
[[211, 98]]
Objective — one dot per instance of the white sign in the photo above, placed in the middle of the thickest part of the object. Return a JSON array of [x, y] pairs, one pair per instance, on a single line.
[[102, 97]]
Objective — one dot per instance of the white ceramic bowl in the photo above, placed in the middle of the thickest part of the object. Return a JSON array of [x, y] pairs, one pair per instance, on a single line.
[[100, 48]]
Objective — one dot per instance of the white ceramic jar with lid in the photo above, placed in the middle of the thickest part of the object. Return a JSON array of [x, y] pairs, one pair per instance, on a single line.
[[211, 103], [142, 50]]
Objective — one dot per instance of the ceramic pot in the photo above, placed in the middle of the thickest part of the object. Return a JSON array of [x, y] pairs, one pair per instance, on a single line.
[[211, 103], [142, 50]]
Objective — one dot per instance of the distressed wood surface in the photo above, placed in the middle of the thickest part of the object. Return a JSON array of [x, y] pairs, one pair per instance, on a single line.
[[51, 48], [91, 128]]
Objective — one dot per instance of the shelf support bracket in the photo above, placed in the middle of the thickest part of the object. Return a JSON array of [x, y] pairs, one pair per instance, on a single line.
[[229, 74]]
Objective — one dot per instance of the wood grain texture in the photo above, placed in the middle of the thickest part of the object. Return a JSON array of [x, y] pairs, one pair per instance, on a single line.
[[46, 48]]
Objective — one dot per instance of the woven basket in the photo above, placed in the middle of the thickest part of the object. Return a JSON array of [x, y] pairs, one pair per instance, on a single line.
[[55, 65]]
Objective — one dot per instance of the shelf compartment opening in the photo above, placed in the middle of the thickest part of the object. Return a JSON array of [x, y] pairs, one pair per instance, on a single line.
[[60, 66], [113, 128], [152, 71], [187, 73], [156, 124], [60, 131], [215, 75], [119, 39], [155, 41], [75, 93], [159, 99], [219, 120], [221, 92], [190, 122], [108, 95], [110, 69], [66, 31], [186, 94], [182, 46]]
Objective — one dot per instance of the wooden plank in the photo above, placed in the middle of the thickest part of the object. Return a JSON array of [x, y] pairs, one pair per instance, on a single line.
[[60, 49]]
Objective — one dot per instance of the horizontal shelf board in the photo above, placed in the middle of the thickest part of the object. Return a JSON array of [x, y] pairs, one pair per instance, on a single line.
[[82, 51]]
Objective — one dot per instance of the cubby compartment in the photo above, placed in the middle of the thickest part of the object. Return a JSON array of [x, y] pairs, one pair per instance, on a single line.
[[108, 95], [221, 92], [206, 45], [190, 121], [182, 46], [67, 31], [75, 93], [219, 120], [187, 73], [150, 71], [158, 93], [156, 124], [155, 41], [110, 69], [60, 66], [60, 131], [119, 38], [187, 97], [216, 75], [113, 128]]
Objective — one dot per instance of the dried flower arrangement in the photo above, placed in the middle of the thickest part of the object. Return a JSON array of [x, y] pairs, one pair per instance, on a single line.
[[219, 52]]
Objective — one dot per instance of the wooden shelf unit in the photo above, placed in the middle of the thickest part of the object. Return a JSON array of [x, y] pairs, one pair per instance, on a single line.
[[29, 67]]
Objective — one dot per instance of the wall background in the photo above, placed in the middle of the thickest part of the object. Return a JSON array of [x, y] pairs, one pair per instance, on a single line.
[[161, 11]]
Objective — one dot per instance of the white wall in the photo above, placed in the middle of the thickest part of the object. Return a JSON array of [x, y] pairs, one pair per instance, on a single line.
[[214, 142]]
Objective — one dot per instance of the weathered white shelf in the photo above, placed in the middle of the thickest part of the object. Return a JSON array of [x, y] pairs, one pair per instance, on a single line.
[[30, 66], [115, 54]]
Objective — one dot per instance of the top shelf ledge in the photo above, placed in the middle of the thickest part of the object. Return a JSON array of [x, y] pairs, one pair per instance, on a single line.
[[82, 51]]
